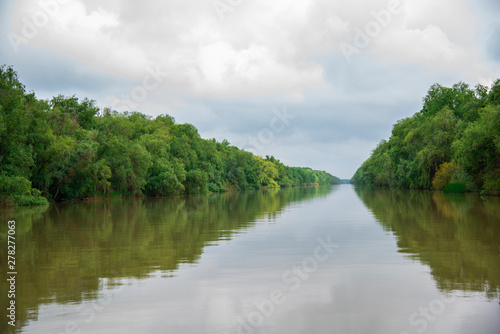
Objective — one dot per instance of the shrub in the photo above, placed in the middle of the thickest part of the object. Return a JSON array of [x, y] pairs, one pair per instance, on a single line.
[[444, 175], [461, 176], [212, 187], [455, 188], [16, 190], [491, 187]]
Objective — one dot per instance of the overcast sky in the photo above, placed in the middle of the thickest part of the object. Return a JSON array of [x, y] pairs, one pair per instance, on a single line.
[[315, 83]]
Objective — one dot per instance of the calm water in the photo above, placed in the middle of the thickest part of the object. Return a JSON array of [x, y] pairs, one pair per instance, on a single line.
[[304, 260]]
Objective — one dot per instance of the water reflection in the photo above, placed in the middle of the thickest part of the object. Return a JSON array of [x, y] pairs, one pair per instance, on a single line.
[[68, 252], [457, 236]]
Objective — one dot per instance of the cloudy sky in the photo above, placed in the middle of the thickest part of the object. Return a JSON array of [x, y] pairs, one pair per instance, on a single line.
[[315, 83]]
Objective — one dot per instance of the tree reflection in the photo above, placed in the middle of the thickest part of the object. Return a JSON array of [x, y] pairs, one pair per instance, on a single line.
[[65, 252], [457, 236]]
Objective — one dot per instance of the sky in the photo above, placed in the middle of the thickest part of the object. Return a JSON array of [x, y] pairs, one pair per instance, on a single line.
[[315, 83]]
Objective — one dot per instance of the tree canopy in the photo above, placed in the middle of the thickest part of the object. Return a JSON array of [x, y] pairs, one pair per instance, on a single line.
[[452, 143], [67, 148]]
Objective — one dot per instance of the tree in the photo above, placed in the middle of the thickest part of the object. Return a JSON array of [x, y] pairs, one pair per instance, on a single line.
[[454, 138], [65, 148], [444, 175]]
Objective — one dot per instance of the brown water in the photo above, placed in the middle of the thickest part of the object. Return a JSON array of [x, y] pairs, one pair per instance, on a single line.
[[303, 260]]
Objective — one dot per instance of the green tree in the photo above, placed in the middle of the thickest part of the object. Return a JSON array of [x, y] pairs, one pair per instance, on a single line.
[[456, 125], [65, 148]]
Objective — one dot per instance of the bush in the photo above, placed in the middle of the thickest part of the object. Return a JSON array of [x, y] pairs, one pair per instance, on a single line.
[[30, 200], [461, 176], [491, 187], [444, 175], [16, 190], [14, 185], [212, 187], [455, 188]]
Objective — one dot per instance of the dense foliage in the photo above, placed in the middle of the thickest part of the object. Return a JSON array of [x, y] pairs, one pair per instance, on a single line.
[[452, 143], [67, 148]]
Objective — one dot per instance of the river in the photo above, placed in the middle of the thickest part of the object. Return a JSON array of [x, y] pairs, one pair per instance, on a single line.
[[303, 260]]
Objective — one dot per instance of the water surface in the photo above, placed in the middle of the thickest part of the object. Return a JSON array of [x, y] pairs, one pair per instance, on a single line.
[[302, 260]]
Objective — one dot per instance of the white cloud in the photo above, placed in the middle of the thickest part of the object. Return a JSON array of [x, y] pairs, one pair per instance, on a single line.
[[262, 48], [204, 55], [225, 71], [225, 76], [454, 17], [429, 47]]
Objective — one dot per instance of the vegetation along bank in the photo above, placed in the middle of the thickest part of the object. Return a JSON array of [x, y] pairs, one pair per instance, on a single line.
[[453, 143], [68, 148]]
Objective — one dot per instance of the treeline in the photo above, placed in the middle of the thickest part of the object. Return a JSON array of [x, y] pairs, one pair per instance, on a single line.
[[453, 143], [67, 148]]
